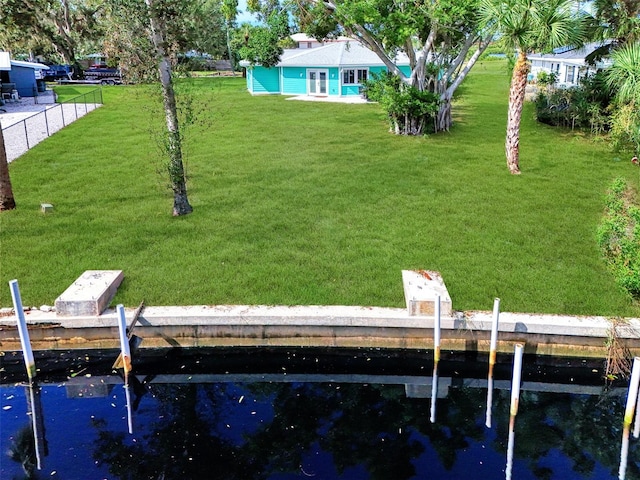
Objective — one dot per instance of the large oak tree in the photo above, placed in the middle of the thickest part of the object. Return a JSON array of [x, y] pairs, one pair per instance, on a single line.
[[64, 25], [441, 38]]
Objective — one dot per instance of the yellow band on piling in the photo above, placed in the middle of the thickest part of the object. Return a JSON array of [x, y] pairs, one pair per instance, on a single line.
[[492, 357], [514, 408], [628, 417], [126, 361], [31, 370], [436, 355]]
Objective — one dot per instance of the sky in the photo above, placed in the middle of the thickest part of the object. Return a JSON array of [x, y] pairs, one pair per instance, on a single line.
[[243, 15]]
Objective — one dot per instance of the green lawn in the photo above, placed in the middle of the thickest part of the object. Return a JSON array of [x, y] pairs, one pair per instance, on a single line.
[[314, 203]]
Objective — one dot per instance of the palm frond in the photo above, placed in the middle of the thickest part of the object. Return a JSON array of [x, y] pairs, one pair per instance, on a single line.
[[625, 72]]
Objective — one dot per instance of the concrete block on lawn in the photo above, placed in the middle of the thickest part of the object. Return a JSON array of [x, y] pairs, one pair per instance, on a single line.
[[420, 290], [90, 294]]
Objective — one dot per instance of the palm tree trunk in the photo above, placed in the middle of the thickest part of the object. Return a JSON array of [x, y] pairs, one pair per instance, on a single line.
[[7, 202], [516, 103], [175, 167], [231, 59]]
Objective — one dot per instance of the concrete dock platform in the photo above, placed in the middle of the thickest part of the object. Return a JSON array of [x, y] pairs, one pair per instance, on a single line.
[[327, 326]]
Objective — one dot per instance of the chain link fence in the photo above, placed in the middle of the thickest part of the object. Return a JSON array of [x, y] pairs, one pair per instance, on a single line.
[[25, 134]]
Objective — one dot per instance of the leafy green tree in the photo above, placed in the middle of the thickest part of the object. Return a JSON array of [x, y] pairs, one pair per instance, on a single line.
[[63, 24], [262, 44], [615, 23], [190, 25], [128, 40], [529, 26]]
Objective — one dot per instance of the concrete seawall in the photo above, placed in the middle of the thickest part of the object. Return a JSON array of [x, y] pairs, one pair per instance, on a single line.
[[327, 326]]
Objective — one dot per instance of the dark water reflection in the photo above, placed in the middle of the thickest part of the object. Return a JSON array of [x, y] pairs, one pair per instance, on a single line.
[[282, 415]]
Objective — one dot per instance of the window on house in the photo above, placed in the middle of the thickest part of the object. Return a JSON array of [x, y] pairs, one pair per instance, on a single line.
[[570, 75], [354, 76]]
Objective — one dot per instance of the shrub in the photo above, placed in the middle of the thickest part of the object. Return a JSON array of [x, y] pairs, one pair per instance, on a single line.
[[586, 106], [410, 111], [625, 129], [547, 79], [619, 236]]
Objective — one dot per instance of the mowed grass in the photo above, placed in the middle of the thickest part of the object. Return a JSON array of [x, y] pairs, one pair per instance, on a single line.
[[315, 203]]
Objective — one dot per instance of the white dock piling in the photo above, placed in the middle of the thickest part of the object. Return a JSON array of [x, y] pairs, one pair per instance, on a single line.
[[127, 394], [436, 357], [636, 422], [632, 398], [34, 406], [25, 342], [513, 411], [493, 346], [124, 342]]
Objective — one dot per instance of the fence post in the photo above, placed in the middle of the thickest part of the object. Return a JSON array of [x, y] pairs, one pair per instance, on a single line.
[[26, 133], [46, 121]]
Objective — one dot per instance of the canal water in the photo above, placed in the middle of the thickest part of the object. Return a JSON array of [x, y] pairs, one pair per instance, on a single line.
[[306, 413]]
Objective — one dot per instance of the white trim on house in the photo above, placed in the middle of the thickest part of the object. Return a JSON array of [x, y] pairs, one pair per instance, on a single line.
[[34, 65], [5, 61], [568, 64]]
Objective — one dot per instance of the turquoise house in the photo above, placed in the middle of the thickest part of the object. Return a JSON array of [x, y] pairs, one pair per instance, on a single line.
[[335, 69]]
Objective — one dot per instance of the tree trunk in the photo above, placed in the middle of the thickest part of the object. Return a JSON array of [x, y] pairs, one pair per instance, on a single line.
[[516, 103], [175, 167], [443, 119], [7, 202], [230, 53]]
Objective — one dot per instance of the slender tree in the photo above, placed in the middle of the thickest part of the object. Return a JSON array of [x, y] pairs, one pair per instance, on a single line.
[[7, 202], [528, 26], [173, 145], [230, 11]]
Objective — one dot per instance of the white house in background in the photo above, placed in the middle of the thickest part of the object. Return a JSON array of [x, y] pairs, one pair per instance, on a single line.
[[303, 40], [568, 64]]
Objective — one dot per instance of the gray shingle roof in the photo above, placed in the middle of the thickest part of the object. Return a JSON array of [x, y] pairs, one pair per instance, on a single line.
[[338, 54]]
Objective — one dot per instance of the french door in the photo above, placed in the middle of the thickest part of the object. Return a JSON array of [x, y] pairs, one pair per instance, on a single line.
[[317, 81]]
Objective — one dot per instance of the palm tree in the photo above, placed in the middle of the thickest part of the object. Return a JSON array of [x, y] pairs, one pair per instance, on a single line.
[[230, 11], [624, 74], [528, 26], [7, 202], [624, 78]]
